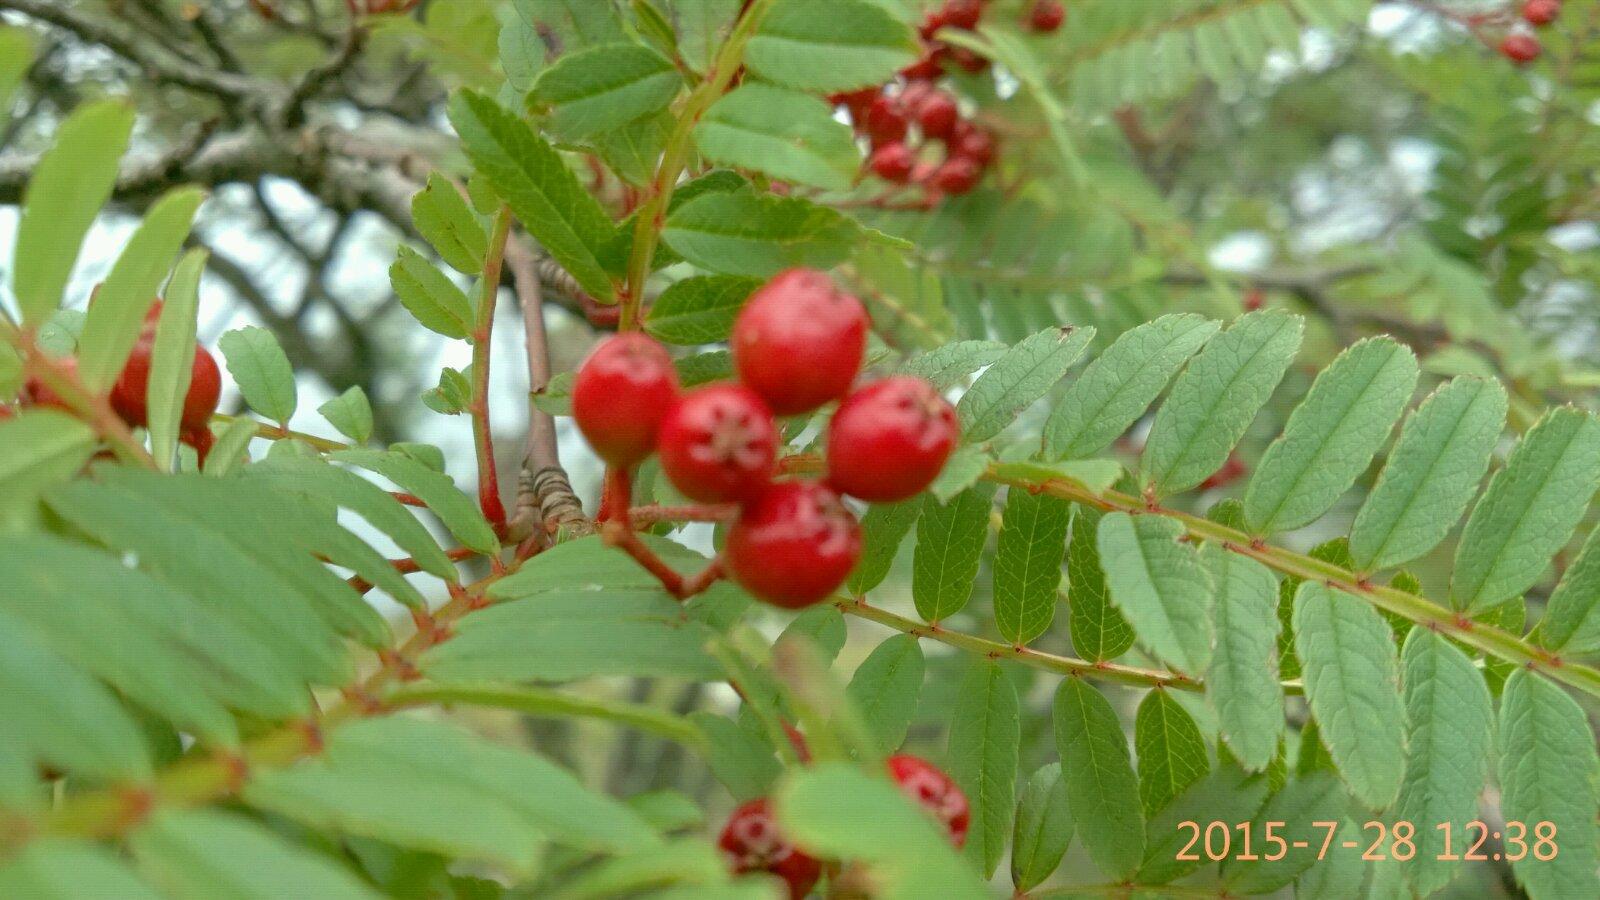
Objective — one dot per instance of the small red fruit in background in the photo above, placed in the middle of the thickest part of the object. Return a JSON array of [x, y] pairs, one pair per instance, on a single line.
[[1231, 471], [794, 544], [128, 395], [798, 341], [957, 175], [1254, 299], [935, 791], [718, 444], [936, 112], [858, 102], [973, 143], [1541, 12], [885, 121], [890, 440], [36, 393], [200, 439], [1521, 48], [928, 68], [753, 843], [963, 14], [1046, 16], [893, 162], [968, 60], [620, 395]]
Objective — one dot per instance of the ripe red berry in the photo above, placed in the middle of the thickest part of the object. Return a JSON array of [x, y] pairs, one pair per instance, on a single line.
[[937, 114], [858, 102], [935, 791], [794, 544], [753, 843], [718, 444], [1232, 470], [957, 175], [1046, 16], [885, 122], [1521, 48], [798, 341], [890, 440], [963, 14], [1541, 12], [1254, 299], [201, 439], [968, 60], [928, 68], [931, 23], [128, 395], [893, 162], [973, 142], [620, 395]]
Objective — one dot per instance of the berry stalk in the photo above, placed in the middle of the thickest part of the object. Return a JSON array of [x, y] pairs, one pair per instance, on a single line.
[[482, 334]]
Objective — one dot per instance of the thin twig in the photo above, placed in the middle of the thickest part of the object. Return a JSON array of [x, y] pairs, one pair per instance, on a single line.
[[482, 337]]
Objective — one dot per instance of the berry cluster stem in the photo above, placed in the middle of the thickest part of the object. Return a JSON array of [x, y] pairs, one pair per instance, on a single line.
[[95, 409], [482, 339], [651, 214]]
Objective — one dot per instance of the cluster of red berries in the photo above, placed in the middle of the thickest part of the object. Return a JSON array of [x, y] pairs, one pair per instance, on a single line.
[[1522, 48], [797, 345], [754, 843], [129, 393], [885, 116]]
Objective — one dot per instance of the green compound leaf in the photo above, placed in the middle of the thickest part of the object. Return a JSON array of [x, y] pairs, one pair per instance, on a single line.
[[883, 529], [1102, 790], [788, 135], [261, 370], [443, 218], [1547, 771], [456, 510], [198, 854], [1242, 683], [431, 297], [1352, 683], [59, 869], [1027, 564], [757, 235], [885, 689], [1571, 622], [1043, 829], [69, 184], [1432, 474], [1216, 398], [950, 539], [1331, 436], [603, 88], [699, 310], [1024, 374], [350, 413], [1448, 745], [1160, 587], [542, 191], [1291, 812], [1099, 632], [1227, 794], [1117, 388], [172, 357], [985, 739], [1528, 512], [950, 364], [1171, 752], [823, 46]]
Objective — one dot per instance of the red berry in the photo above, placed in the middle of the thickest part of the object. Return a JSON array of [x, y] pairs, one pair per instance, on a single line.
[[858, 102], [957, 175], [885, 121], [128, 395], [936, 114], [718, 444], [968, 60], [1254, 299], [893, 162], [972, 142], [1521, 48], [798, 341], [931, 23], [928, 68], [1232, 470], [200, 439], [753, 843], [794, 544], [620, 395], [36, 393], [1047, 16], [890, 440], [1541, 12], [935, 791], [963, 14]]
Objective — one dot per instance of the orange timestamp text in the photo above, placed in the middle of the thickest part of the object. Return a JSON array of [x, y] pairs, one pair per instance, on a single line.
[[1272, 841]]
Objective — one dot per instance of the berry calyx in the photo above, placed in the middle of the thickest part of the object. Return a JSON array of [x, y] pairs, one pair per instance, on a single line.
[[620, 395], [1541, 12], [794, 544], [893, 162], [934, 791], [1521, 48], [798, 341], [753, 843], [889, 440], [718, 444], [1046, 16], [957, 175]]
